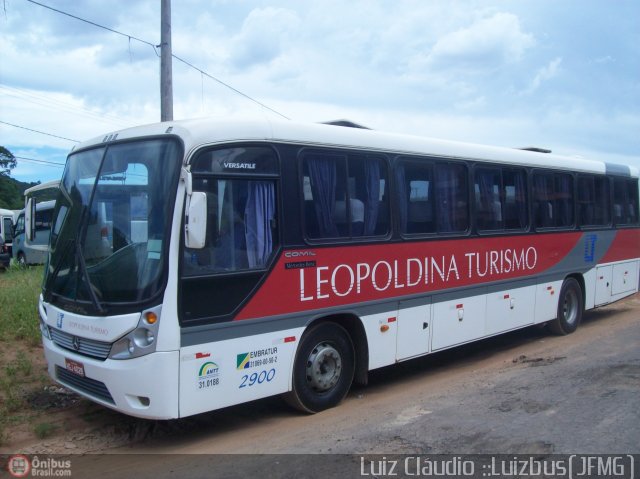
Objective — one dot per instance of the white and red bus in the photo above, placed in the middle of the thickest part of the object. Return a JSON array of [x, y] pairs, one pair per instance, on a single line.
[[200, 264]]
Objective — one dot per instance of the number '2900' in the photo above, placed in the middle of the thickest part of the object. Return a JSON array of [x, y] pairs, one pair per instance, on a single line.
[[257, 378]]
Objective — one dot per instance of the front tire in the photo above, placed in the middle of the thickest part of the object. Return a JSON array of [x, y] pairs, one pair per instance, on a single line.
[[323, 369], [570, 308]]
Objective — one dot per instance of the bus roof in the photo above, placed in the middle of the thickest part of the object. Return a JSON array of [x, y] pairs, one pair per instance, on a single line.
[[42, 186], [199, 132]]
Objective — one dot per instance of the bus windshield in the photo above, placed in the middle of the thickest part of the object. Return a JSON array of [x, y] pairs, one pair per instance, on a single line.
[[110, 227]]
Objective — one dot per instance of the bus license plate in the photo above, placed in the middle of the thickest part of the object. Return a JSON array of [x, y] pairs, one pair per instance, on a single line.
[[74, 367]]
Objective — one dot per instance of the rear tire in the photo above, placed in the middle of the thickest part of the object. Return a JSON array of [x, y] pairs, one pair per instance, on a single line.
[[570, 308], [323, 369]]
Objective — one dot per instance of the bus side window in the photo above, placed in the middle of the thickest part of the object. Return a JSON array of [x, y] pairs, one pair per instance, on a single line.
[[341, 205], [452, 197], [553, 200], [414, 192], [366, 183], [323, 172], [593, 200], [542, 200], [625, 201], [516, 212], [488, 189]]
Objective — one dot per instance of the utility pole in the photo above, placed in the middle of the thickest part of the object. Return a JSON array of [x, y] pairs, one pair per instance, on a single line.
[[166, 79]]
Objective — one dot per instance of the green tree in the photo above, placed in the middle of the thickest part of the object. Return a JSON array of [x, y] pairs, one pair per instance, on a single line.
[[10, 196], [7, 161]]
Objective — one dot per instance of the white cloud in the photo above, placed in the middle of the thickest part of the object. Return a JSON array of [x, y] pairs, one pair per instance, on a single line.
[[263, 36], [544, 74], [486, 44]]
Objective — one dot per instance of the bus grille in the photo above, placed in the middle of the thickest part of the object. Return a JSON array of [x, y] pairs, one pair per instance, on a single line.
[[89, 386], [86, 347]]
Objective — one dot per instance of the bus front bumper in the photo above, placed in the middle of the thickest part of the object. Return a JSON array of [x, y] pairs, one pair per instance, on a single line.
[[145, 387]]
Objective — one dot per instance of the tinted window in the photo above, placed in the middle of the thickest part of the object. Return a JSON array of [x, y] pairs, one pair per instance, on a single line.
[[553, 198], [345, 196], [433, 197], [415, 192], [593, 201], [625, 201], [241, 226], [501, 199], [515, 206], [452, 197]]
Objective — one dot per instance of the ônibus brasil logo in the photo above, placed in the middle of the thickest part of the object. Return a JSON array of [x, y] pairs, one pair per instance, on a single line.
[[19, 466]]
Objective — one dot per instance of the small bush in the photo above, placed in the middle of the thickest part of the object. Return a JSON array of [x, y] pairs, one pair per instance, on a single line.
[[44, 429], [19, 292]]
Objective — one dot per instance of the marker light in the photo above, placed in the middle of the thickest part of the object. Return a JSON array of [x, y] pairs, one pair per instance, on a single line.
[[150, 317]]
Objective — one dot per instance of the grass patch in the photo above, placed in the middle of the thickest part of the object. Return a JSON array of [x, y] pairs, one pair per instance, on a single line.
[[44, 429], [19, 332], [19, 292]]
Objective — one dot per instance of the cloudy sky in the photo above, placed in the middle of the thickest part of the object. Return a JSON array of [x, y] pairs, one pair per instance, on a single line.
[[563, 75]]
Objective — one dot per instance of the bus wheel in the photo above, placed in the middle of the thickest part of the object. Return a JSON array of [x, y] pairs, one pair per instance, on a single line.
[[570, 307], [323, 369]]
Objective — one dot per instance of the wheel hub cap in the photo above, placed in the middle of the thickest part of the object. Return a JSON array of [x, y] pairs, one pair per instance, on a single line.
[[324, 367]]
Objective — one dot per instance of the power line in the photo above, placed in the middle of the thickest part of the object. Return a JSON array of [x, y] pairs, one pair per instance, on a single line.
[[38, 131], [52, 163], [59, 104], [202, 72], [130, 37]]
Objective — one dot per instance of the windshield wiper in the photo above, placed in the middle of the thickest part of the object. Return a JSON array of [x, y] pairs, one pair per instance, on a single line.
[[79, 265], [82, 266]]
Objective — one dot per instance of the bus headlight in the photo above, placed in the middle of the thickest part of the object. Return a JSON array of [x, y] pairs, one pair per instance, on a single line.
[[42, 316], [140, 341], [44, 329], [143, 337]]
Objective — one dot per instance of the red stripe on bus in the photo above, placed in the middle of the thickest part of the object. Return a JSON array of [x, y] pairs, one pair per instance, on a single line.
[[343, 275], [626, 245]]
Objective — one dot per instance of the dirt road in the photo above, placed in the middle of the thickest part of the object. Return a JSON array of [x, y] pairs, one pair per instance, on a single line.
[[524, 392]]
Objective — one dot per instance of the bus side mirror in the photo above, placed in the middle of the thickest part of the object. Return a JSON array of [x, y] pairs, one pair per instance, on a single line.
[[30, 219], [196, 220]]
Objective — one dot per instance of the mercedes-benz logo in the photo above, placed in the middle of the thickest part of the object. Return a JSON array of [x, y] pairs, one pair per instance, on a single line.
[[76, 343]]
